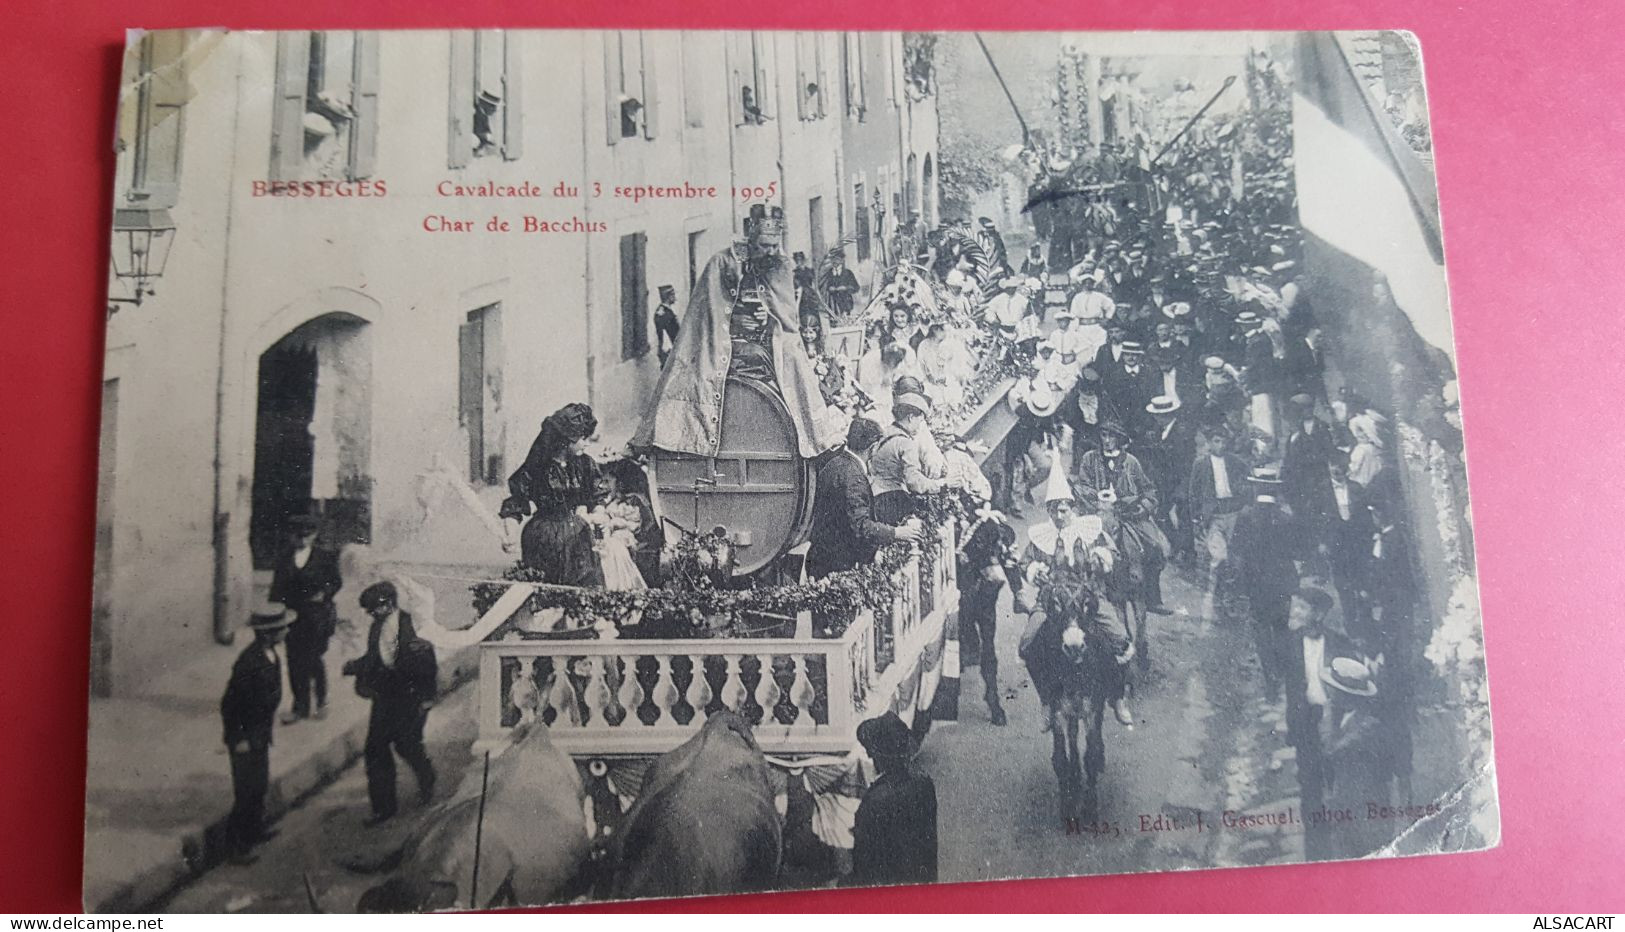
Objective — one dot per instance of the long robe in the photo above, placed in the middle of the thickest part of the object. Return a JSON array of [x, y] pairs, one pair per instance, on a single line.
[[686, 414]]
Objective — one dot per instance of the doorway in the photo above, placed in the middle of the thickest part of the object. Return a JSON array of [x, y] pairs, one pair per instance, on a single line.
[[312, 435]]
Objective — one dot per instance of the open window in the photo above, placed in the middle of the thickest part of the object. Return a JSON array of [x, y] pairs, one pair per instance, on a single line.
[[485, 100], [811, 85], [630, 87], [853, 74], [751, 88], [325, 123]]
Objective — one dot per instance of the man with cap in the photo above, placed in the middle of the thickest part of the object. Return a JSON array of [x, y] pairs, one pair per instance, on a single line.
[[1113, 467], [932, 461], [1034, 265], [896, 473], [305, 579], [843, 286], [986, 560], [1340, 517], [844, 532], [1360, 754], [248, 711], [998, 255], [1167, 451], [666, 322], [1311, 643], [1265, 544], [1108, 359], [1036, 404], [894, 833], [398, 674]]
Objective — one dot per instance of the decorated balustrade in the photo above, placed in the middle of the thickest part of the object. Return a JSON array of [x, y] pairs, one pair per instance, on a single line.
[[633, 696]]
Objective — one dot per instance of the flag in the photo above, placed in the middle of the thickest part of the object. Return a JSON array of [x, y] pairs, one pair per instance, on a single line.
[[1373, 259]]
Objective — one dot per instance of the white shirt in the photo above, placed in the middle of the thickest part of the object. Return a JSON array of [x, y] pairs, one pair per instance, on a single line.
[[1093, 306], [1090, 406], [389, 639], [1170, 386], [301, 557], [1340, 491], [1221, 478], [1314, 655]]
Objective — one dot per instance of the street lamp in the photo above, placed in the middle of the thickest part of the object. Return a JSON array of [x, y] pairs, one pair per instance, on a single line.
[[141, 241]]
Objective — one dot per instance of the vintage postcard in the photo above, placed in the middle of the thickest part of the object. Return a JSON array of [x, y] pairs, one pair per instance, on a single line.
[[545, 466]]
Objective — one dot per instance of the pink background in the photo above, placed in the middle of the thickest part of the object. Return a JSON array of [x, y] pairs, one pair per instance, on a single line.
[[1527, 126]]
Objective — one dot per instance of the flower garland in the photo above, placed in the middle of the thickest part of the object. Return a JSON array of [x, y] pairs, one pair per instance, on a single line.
[[702, 608]]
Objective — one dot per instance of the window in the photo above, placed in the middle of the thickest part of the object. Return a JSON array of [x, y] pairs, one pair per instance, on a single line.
[[694, 83], [151, 128], [325, 121], [853, 72], [629, 87], [634, 297], [860, 221], [485, 107], [695, 261], [810, 87], [752, 92], [479, 392]]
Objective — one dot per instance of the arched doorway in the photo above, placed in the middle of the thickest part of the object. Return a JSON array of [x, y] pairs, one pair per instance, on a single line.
[[313, 434], [928, 193]]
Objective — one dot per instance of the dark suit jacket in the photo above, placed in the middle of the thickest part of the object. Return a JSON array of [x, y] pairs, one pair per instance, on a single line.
[[1303, 466], [894, 834], [411, 682], [248, 707], [1168, 461], [1348, 543], [1303, 371], [1200, 487], [1264, 544], [844, 531], [299, 587]]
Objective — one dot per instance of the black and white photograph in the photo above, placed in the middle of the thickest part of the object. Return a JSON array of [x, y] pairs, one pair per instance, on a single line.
[[544, 467]]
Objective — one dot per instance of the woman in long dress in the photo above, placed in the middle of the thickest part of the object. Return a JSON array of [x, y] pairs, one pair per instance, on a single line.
[[555, 486]]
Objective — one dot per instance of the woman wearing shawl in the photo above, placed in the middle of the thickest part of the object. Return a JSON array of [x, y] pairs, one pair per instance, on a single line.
[[558, 482]]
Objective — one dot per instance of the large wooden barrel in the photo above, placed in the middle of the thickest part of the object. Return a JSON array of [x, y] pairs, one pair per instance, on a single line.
[[757, 486]]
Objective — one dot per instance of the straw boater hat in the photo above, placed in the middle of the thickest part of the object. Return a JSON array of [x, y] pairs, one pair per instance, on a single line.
[[1214, 363], [268, 616], [1056, 488], [1042, 400], [1249, 319], [1265, 476], [1133, 346], [1350, 676], [1163, 404], [1176, 309]]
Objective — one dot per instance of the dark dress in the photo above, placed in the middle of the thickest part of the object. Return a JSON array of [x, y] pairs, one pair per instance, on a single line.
[[556, 541], [894, 834]]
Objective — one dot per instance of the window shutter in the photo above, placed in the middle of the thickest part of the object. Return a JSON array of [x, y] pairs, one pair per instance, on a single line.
[[364, 101], [651, 87], [460, 138], [801, 77], [513, 106], [759, 74], [168, 92], [819, 75], [612, 87], [737, 59], [288, 116]]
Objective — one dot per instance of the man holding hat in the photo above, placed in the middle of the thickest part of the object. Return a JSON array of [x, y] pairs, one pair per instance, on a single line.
[[305, 580], [248, 711], [1265, 545], [894, 833], [398, 674], [666, 322]]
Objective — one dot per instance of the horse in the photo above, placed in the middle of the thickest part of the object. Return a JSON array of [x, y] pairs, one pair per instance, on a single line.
[[707, 820], [1075, 658], [523, 824]]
